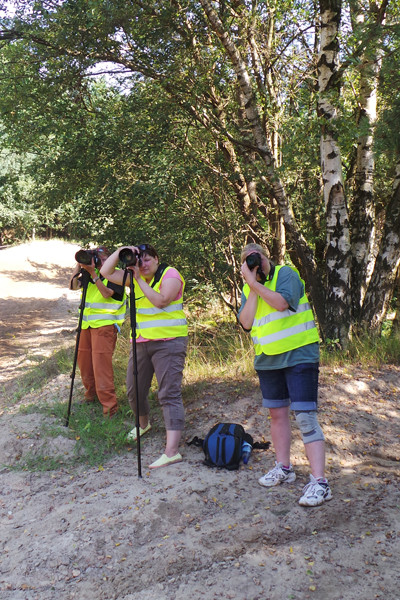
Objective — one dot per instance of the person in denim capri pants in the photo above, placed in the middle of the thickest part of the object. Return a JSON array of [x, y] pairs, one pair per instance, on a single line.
[[276, 310]]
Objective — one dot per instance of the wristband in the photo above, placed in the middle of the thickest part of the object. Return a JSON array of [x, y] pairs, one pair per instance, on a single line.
[[95, 280]]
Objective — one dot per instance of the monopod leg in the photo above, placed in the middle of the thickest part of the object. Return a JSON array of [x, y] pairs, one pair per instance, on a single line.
[[132, 305], [85, 281]]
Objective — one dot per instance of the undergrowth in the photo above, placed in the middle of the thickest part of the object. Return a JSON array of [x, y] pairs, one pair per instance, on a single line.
[[364, 350], [219, 352]]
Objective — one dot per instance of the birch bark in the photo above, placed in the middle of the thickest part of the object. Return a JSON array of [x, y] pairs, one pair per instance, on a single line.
[[363, 221], [383, 280], [338, 255]]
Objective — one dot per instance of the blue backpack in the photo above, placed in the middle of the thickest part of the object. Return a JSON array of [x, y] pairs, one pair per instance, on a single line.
[[223, 445]]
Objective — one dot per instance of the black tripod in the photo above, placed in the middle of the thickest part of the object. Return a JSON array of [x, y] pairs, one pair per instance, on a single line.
[[132, 312], [85, 278]]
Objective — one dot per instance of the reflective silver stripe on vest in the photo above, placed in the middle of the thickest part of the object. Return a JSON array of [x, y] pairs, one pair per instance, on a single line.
[[107, 306], [162, 323], [285, 333], [104, 317], [275, 316], [155, 311]]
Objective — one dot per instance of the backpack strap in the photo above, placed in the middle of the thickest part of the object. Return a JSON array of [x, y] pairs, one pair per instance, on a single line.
[[199, 442], [261, 445], [196, 442], [158, 274], [248, 438]]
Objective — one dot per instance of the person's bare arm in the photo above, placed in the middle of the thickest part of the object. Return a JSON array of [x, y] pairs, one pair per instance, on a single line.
[[274, 299], [109, 272]]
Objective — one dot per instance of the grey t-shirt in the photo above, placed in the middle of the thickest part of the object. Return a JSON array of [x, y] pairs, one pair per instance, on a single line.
[[289, 285]]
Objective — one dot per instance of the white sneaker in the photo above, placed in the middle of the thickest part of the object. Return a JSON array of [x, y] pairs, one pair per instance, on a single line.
[[132, 435], [278, 475], [315, 493]]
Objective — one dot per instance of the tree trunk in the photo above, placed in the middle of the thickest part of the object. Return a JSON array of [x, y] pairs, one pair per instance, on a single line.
[[396, 320], [338, 257], [363, 218], [383, 280]]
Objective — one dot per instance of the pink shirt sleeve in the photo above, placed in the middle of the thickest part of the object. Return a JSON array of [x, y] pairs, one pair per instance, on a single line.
[[174, 274]]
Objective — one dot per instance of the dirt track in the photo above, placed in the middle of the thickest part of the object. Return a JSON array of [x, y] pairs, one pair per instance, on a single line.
[[38, 313], [188, 531]]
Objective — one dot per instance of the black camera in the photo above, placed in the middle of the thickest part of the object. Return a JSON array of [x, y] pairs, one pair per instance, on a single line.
[[84, 257], [128, 257], [253, 260]]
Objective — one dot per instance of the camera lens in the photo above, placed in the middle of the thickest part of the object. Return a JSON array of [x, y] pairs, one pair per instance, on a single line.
[[128, 257], [84, 257]]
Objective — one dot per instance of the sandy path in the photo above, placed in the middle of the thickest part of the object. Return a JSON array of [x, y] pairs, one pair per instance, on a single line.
[[38, 313]]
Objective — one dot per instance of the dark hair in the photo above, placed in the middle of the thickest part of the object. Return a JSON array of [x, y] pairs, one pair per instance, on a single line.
[[148, 249]]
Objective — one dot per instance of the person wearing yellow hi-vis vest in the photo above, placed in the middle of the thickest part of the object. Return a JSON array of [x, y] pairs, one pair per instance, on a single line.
[[103, 315], [276, 312], [161, 343]]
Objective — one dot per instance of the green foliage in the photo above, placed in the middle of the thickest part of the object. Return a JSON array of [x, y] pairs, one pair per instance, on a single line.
[[17, 215], [160, 149]]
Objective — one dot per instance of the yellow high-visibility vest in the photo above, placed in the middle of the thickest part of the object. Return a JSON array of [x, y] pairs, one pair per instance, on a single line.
[[99, 311], [159, 323], [274, 331]]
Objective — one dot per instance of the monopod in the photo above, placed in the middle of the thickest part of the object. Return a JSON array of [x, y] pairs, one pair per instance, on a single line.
[[85, 278], [132, 310]]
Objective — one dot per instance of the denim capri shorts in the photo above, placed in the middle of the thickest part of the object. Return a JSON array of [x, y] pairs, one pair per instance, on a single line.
[[295, 386]]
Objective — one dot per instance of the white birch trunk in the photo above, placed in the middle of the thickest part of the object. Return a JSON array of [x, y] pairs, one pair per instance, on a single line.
[[338, 257], [383, 280], [363, 222]]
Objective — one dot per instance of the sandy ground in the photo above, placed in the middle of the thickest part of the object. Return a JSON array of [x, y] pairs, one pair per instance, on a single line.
[[188, 531], [37, 310]]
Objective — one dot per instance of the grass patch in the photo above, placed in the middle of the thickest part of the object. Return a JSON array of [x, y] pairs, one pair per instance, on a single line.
[[38, 463], [97, 438], [218, 350], [365, 350]]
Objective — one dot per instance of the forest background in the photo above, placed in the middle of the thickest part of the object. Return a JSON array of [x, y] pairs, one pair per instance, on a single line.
[[198, 126]]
